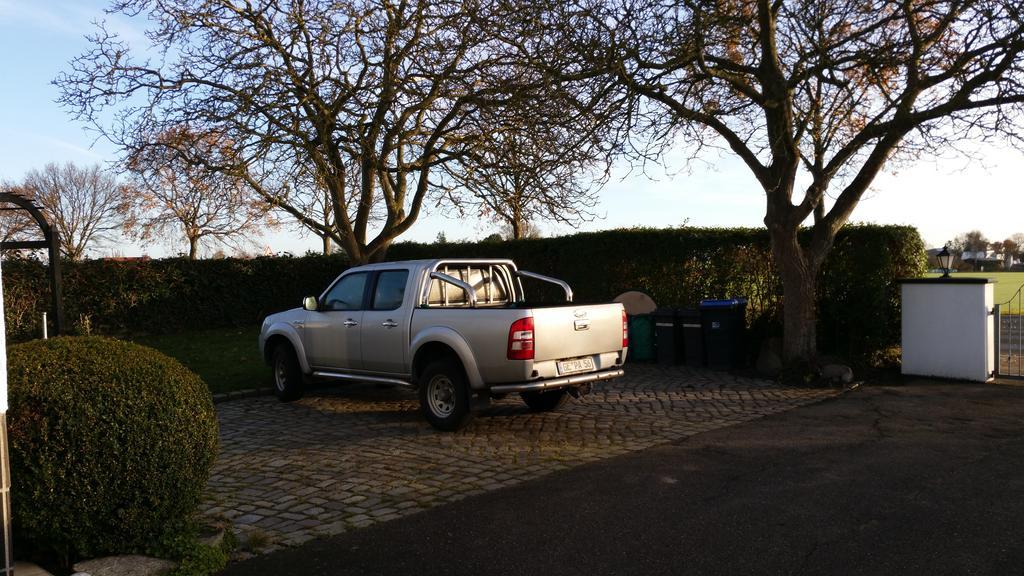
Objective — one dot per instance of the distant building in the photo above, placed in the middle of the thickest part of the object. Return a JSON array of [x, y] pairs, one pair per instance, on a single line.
[[977, 255]]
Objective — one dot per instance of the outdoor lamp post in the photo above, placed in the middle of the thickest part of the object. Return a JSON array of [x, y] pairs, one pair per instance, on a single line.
[[945, 259]]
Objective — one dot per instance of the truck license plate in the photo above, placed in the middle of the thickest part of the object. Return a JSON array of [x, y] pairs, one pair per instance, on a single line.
[[578, 365]]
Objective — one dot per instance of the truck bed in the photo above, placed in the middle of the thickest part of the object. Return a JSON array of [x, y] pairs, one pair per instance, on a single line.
[[561, 332]]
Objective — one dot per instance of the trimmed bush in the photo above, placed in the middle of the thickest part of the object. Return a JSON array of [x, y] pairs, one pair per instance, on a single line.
[[111, 445]]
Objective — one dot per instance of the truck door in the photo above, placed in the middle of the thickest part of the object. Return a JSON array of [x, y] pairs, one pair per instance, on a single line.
[[385, 331], [331, 335]]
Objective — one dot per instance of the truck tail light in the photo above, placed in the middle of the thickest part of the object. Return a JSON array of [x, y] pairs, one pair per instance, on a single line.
[[520, 339], [625, 330]]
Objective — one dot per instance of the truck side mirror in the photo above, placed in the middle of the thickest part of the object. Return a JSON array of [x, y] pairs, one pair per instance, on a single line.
[[309, 303]]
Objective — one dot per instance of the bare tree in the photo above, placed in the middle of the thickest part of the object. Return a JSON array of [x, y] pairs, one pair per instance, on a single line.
[[1016, 243], [819, 94], [371, 94], [541, 162], [973, 241], [516, 182], [85, 205], [316, 205], [179, 194], [527, 230], [1008, 250], [308, 194]]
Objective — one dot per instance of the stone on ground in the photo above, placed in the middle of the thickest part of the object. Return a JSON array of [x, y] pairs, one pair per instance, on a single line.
[[125, 566], [837, 373], [29, 569]]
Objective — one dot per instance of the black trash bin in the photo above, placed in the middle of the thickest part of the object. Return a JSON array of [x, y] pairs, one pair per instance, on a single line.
[[724, 327], [667, 336], [688, 324]]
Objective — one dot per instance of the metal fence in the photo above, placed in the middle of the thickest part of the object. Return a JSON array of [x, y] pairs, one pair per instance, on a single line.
[[1009, 317]]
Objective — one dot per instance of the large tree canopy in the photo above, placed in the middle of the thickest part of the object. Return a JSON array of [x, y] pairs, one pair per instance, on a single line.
[[814, 96], [366, 99], [369, 100]]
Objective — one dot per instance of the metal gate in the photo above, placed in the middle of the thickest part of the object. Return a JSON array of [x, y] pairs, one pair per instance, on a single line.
[[1010, 337]]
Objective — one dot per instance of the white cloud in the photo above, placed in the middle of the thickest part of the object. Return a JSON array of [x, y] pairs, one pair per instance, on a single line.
[[74, 148]]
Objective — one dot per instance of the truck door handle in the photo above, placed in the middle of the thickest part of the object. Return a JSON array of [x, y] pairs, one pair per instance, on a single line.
[[389, 324], [350, 322]]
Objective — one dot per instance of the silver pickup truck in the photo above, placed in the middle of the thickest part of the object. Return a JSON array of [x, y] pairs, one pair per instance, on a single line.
[[460, 331]]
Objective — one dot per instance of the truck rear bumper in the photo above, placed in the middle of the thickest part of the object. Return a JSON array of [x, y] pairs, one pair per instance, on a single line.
[[556, 383]]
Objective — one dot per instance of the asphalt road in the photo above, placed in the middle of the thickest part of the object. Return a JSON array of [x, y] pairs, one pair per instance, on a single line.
[[925, 478]]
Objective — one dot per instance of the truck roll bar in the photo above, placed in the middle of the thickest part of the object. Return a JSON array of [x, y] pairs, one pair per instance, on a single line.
[[470, 292], [565, 285]]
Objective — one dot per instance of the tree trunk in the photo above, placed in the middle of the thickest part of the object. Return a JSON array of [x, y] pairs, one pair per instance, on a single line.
[[193, 247], [379, 255], [799, 276], [327, 244]]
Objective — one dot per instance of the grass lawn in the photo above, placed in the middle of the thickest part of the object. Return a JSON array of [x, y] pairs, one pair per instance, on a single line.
[[226, 358], [1007, 283]]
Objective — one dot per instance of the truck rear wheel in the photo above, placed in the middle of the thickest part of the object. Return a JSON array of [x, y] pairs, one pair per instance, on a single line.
[[545, 401], [444, 395], [287, 374]]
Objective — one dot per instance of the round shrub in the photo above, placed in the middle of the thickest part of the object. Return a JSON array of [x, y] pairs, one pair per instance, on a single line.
[[111, 444]]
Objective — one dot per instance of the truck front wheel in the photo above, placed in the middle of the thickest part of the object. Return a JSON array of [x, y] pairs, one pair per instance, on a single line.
[[287, 374], [545, 401], [444, 395]]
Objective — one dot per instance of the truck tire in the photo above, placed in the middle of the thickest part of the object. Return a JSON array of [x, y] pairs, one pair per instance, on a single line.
[[444, 395], [545, 401], [288, 383]]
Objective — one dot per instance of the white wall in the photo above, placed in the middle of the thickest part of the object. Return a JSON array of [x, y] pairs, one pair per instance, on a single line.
[[948, 331]]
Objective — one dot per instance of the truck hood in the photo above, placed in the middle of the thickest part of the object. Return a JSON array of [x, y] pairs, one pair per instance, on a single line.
[[286, 316]]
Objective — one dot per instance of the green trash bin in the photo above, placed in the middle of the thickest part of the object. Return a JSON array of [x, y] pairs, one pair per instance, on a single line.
[[641, 338]]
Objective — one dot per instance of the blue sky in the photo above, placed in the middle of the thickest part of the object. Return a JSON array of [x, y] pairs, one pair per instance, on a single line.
[[941, 198]]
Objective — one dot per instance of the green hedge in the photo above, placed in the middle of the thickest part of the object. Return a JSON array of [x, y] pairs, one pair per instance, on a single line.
[[157, 296], [858, 309], [111, 443], [858, 296]]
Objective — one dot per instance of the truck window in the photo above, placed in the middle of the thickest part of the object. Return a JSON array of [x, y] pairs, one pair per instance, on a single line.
[[390, 290], [346, 294], [487, 281]]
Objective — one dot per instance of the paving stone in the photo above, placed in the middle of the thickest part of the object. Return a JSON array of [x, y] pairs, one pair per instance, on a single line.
[[125, 566], [350, 456]]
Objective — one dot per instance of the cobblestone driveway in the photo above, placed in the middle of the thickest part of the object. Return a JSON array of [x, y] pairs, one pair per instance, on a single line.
[[347, 457]]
